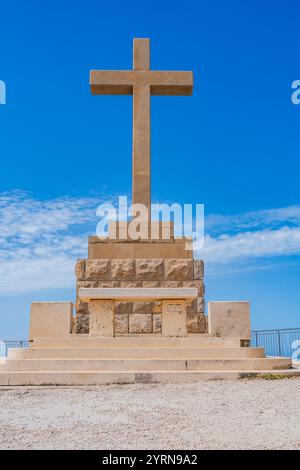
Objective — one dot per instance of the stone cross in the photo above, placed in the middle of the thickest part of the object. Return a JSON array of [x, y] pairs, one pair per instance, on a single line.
[[141, 82]]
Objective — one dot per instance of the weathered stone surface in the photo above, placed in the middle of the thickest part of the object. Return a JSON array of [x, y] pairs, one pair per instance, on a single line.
[[178, 269], [122, 269], [107, 284], [150, 283], [81, 306], [81, 323], [170, 284], [80, 270], [139, 250], [200, 304], [143, 307], [174, 318], [131, 284], [195, 306], [141, 272], [97, 269], [229, 319], [157, 323], [197, 284], [191, 307], [196, 323], [198, 269], [101, 318], [121, 323], [123, 308], [140, 323], [86, 284], [81, 320], [97, 284], [149, 269]]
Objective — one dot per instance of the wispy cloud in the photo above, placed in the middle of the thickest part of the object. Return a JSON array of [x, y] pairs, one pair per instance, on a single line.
[[270, 218], [263, 243], [257, 239], [40, 240]]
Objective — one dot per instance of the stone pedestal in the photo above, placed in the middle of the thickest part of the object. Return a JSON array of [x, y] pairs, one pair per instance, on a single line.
[[170, 322], [122, 262]]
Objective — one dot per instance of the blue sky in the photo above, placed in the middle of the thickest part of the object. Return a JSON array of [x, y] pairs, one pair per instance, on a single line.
[[233, 146]]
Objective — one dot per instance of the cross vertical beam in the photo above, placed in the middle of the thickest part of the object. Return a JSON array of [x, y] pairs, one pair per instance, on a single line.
[[141, 160]]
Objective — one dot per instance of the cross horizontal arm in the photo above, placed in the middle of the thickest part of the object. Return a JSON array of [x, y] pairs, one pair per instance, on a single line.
[[121, 82]]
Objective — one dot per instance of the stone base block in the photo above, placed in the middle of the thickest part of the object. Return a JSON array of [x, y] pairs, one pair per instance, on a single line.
[[115, 249], [229, 319], [50, 319]]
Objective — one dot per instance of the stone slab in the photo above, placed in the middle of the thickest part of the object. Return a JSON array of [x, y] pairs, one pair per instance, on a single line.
[[139, 352], [229, 319], [174, 318], [151, 341], [101, 318], [145, 364], [127, 377], [131, 293], [151, 249], [50, 319]]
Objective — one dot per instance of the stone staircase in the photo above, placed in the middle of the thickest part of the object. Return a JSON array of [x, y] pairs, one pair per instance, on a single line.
[[81, 360]]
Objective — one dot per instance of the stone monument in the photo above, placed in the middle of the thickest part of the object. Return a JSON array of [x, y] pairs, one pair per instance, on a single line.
[[162, 262], [139, 313]]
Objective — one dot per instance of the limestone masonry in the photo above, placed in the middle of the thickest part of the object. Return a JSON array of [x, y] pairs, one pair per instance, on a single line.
[[141, 317]]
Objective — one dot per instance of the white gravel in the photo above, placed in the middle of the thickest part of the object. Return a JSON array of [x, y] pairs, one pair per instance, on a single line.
[[245, 414]]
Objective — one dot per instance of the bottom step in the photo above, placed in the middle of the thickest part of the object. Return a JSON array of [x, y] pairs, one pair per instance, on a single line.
[[124, 377]]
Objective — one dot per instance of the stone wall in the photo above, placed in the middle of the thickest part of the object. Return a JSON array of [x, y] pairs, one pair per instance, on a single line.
[[141, 317]]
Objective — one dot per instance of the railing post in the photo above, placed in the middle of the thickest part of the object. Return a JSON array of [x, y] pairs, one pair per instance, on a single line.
[[279, 343], [256, 339]]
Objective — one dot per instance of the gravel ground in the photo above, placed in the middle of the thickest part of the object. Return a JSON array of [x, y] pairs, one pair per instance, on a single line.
[[245, 414]]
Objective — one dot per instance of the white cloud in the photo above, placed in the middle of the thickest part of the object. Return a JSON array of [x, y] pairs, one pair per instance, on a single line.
[[40, 240], [257, 219], [258, 244]]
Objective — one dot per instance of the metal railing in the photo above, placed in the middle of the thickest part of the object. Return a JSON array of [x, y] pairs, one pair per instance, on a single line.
[[277, 342], [5, 345]]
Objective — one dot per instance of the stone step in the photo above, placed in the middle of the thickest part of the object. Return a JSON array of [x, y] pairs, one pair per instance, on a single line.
[[131, 353], [84, 341], [144, 365], [125, 377]]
